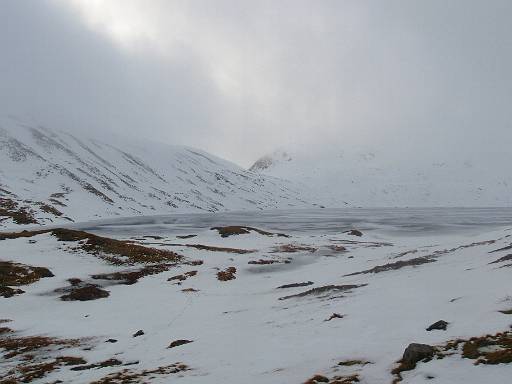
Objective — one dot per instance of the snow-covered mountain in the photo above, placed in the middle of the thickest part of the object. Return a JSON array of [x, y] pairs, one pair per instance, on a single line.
[[49, 176], [366, 177]]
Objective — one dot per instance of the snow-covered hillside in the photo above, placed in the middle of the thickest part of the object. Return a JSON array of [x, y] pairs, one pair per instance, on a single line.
[[49, 176], [366, 177]]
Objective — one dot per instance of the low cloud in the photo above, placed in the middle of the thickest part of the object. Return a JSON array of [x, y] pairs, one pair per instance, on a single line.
[[240, 79]]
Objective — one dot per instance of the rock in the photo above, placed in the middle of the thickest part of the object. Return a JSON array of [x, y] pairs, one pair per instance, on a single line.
[[140, 332], [177, 343], [417, 352], [354, 232], [438, 325], [335, 316], [111, 341]]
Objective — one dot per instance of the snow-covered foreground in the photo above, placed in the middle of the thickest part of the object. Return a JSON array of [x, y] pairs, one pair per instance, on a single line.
[[357, 300]]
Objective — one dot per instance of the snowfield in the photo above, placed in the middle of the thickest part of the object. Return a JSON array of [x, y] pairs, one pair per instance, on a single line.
[[395, 177], [309, 300]]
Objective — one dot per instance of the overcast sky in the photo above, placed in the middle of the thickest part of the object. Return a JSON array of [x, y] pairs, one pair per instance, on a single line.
[[242, 78]]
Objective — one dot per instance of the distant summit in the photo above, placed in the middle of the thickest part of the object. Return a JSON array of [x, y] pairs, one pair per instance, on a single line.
[[268, 161]]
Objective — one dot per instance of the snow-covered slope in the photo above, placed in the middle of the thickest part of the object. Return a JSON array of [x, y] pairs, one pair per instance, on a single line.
[[48, 175], [257, 307], [365, 177]]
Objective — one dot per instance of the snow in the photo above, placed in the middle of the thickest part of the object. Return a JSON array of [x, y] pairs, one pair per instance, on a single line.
[[395, 177], [121, 177], [243, 333]]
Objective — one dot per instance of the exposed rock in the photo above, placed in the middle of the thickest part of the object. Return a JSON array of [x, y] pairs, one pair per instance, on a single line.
[[415, 353], [140, 332], [324, 291], [438, 325], [233, 230], [178, 343], [354, 232], [296, 285], [335, 316]]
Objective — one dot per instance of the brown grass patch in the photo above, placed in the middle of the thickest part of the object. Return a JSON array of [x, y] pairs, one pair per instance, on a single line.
[[334, 380], [102, 364], [182, 277], [20, 274], [85, 293], [227, 274], [47, 208], [350, 363], [19, 215], [133, 276], [16, 274], [488, 349], [292, 248], [128, 376], [14, 345], [8, 292], [117, 252]]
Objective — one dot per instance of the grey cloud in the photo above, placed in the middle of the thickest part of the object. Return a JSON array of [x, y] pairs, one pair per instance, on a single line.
[[431, 76]]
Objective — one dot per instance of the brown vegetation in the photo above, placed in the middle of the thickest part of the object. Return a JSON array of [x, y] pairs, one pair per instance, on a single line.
[[118, 252], [132, 276], [16, 274], [183, 276], [334, 380], [20, 274], [128, 376], [227, 274], [292, 248], [85, 293], [102, 364], [20, 215]]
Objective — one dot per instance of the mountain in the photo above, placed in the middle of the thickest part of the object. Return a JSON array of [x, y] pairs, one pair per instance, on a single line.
[[376, 178], [52, 176]]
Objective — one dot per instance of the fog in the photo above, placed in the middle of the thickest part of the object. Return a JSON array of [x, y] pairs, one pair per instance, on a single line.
[[242, 78]]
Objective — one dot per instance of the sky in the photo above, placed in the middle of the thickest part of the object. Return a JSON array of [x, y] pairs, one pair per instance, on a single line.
[[242, 78]]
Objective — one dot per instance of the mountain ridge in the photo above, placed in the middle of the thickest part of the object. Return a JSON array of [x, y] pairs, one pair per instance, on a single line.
[[49, 176]]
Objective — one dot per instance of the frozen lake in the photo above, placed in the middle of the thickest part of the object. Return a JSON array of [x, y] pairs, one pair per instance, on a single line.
[[395, 221]]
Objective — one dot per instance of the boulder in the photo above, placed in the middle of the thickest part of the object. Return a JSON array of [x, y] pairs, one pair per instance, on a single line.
[[417, 352], [438, 325]]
